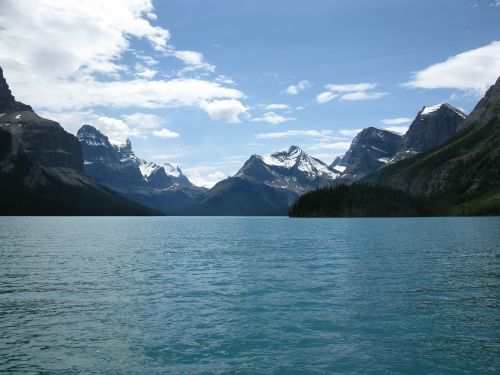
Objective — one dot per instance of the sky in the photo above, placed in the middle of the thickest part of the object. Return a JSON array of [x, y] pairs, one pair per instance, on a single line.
[[205, 84]]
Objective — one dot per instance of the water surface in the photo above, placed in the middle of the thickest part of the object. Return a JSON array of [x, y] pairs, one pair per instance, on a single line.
[[249, 295]]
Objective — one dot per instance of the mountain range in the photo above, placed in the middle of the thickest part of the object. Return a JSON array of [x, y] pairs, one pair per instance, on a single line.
[[46, 170]]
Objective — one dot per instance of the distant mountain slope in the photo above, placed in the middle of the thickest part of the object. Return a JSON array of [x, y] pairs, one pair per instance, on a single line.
[[241, 196], [161, 187], [266, 185]]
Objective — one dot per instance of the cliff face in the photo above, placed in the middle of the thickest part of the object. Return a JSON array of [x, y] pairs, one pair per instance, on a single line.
[[42, 141]]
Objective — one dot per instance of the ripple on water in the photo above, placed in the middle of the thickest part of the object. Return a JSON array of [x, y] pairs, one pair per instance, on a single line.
[[249, 295]]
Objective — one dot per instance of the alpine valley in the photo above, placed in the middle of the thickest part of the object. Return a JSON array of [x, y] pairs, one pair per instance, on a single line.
[[446, 158]]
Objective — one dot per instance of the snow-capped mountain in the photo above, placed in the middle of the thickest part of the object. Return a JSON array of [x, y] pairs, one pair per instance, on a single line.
[[160, 176], [267, 185], [432, 127], [291, 169]]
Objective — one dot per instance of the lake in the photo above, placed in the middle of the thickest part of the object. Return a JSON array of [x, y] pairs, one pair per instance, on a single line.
[[226, 295]]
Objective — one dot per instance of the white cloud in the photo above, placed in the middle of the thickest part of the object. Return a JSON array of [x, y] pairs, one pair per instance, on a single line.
[[56, 39], [275, 106], [165, 133], [148, 60], [397, 129], [351, 87], [228, 110], [363, 95], [350, 91], [295, 89], [133, 125], [145, 72], [350, 132], [115, 129], [396, 121], [77, 95], [295, 133], [194, 60], [143, 120], [325, 97], [190, 57], [473, 70], [205, 175], [69, 56], [272, 118], [225, 80]]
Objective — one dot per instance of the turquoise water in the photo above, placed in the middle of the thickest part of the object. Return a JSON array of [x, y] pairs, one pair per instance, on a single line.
[[249, 295]]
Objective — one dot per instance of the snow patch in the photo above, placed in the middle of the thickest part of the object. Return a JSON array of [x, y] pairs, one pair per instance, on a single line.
[[172, 170], [148, 168], [429, 110], [294, 157]]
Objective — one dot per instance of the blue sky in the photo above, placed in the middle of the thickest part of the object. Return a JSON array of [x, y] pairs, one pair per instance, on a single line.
[[205, 84]]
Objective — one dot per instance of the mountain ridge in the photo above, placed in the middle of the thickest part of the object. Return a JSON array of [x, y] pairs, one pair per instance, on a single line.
[[161, 187]]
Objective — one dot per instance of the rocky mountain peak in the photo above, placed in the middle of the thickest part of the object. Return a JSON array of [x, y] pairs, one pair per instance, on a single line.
[[291, 169], [7, 100], [292, 154], [432, 126], [125, 152], [370, 149], [439, 109], [42, 141], [91, 136]]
